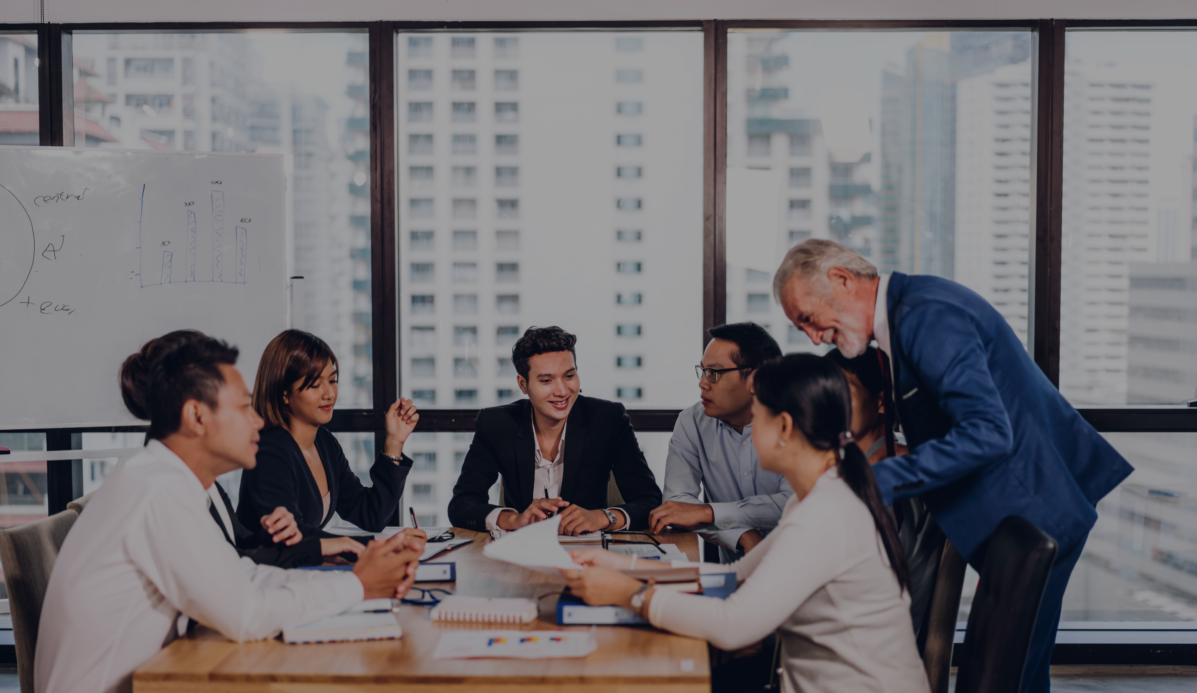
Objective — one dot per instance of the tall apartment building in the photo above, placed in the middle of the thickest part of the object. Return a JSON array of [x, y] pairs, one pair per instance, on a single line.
[[993, 185], [1107, 224], [1162, 328], [543, 180], [920, 201], [818, 195]]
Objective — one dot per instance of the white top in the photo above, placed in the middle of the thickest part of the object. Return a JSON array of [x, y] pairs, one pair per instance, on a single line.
[[146, 551], [547, 476], [822, 579], [326, 499]]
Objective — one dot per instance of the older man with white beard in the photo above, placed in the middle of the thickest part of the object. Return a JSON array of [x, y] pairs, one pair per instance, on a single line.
[[989, 435]]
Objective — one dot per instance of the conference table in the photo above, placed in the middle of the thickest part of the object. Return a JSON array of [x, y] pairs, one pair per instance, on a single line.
[[628, 659]]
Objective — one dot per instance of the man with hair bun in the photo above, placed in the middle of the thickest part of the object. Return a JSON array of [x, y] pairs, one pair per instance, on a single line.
[[545, 468], [989, 435], [149, 552]]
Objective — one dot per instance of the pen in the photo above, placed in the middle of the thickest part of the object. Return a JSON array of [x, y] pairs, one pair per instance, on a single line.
[[414, 524], [546, 497]]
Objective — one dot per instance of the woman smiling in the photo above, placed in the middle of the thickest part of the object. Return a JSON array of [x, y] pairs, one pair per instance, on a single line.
[[301, 466]]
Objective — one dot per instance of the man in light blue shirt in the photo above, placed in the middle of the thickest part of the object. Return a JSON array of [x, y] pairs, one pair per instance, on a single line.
[[712, 448]]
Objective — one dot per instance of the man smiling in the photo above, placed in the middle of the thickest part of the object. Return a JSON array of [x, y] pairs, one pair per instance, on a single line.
[[544, 470], [712, 447]]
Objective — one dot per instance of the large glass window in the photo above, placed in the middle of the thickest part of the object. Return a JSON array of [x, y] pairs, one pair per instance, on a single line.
[[538, 201], [1128, 327], [911, 147], [303, 95], [19, 120]]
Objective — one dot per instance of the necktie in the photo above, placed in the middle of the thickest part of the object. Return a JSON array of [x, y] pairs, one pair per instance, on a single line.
[[888, 399]]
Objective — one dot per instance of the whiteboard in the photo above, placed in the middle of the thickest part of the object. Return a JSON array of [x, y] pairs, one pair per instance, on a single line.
[[102, 250]]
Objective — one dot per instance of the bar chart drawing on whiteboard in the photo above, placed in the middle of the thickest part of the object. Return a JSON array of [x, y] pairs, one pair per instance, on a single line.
[[206, 256]]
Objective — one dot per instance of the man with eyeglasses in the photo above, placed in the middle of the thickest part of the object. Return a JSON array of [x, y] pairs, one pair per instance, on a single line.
[[712, 448]]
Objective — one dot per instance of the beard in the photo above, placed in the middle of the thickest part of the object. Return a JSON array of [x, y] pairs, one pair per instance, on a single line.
[[853, 335]]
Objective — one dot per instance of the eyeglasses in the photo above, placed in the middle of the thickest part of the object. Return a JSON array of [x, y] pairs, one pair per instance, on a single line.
[[712, 374], [427, 597]]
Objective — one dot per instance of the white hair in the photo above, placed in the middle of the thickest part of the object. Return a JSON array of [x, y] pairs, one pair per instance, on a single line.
[[813, 257]]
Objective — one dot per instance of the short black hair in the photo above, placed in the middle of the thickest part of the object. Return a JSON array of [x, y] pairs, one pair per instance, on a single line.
[[166, 372], [754, 344], [541, 340]]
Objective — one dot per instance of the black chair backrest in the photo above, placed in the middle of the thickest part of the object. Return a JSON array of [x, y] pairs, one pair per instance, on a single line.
[[1014, 572], [939, 631]]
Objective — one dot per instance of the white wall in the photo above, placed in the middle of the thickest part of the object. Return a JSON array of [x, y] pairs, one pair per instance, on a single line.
[[547, 10]]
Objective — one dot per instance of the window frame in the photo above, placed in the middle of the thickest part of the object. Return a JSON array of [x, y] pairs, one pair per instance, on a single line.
[[56, 128]]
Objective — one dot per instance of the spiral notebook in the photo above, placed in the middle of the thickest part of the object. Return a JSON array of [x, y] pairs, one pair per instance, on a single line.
[[346, 627], [485, 610]]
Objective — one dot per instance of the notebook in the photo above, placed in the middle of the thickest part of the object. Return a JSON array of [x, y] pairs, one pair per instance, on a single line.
[[485, 610], [346, 627]]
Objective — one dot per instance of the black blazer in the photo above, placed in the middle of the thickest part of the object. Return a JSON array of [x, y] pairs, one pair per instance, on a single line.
[[599, 441], [248, 545], [282, 478]]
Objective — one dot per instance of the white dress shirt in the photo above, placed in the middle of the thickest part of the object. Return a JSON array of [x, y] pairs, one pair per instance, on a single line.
[[547, 477], [217, 502], [146, 552], [881, 318], [823, 581]]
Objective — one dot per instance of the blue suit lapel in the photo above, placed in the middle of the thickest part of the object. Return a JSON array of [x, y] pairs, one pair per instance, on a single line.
[[897, 285]]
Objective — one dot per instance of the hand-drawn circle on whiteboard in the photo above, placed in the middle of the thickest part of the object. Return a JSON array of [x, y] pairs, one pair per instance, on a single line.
[[18, 246]]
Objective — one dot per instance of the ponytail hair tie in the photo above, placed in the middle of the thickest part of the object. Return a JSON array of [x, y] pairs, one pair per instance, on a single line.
[[846, 439]]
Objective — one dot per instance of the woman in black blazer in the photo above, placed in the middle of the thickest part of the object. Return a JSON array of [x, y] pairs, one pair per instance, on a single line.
[[301, 466]]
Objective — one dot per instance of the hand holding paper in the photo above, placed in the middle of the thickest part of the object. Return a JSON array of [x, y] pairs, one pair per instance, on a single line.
[[534, 547]]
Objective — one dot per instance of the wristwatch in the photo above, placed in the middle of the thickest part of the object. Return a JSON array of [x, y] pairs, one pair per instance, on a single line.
[[638, 598], [610, 519]]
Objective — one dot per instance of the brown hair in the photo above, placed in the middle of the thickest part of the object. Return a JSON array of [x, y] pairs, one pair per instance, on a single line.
[[293, 356], [167, 372]]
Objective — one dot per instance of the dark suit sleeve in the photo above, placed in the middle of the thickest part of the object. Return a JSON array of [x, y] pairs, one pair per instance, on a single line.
[[248, 545], [471, 494], [271, 484], [636, 482], [368, 507], [948, 358]]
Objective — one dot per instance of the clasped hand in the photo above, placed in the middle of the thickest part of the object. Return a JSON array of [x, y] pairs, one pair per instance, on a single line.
[[575, 520]]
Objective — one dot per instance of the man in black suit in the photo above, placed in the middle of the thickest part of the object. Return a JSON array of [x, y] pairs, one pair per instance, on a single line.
[[555, 451]]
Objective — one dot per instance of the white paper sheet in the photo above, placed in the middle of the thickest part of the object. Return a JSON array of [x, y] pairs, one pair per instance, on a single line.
[[515, 644], [534, 547], [648, 551]]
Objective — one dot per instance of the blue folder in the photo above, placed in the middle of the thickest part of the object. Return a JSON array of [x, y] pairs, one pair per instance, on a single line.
[[572, 611]]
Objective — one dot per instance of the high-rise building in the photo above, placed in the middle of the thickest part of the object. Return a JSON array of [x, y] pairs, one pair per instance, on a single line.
[[540, 183], [993, 186], [1162, 328], [918, 162], [779, 146], [1107, 224]]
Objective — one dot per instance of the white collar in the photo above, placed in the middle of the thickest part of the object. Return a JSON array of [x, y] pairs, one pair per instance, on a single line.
[[560, 458], [881, 315], [160, 452]]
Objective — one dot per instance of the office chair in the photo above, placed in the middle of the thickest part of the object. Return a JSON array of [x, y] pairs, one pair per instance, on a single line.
[[1014, 574], [27, 554], [939, 629]]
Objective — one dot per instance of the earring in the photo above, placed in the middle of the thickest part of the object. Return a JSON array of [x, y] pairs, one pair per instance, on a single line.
[[781, 443]]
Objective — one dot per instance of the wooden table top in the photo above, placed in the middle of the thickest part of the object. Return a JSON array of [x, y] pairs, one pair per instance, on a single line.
[[631, 659]]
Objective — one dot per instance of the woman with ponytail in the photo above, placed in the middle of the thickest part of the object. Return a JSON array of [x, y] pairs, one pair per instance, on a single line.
[[831, 578], [921, 538]]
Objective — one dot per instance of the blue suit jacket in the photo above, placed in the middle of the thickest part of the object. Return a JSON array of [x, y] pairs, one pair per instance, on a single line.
[[989, 435]]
